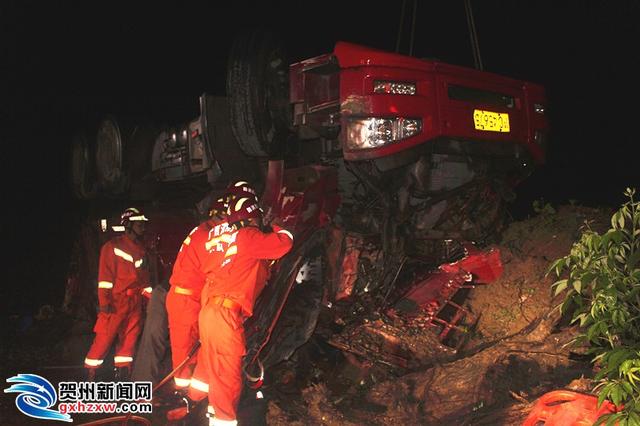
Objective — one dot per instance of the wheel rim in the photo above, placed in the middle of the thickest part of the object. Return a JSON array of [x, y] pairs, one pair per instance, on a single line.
[[109, 153]]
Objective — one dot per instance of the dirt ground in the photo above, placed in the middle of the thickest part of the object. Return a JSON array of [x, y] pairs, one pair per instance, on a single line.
[[515, 353]]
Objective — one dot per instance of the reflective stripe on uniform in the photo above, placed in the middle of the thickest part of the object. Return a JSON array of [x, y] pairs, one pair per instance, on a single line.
[[126, 256], [181, 383], [122, 359], [201, 386], [240, 203], [105, 284], [213, 421], [182, 290], [284, 231], [188, 239], [93, 362], [231, 251]]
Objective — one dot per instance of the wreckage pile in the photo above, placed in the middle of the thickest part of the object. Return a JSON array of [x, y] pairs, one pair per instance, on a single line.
[[514, 351], [511, 353]]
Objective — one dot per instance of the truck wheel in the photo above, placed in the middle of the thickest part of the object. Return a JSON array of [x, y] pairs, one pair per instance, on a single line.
[[109, 157], [82, 167], [258, 93]]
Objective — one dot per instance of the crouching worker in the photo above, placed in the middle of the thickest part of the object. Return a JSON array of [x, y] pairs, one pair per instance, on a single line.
[[228, 299], [123, 277]]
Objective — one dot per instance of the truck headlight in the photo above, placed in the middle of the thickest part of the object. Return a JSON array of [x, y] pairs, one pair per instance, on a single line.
[[372, 132], [394, 87]]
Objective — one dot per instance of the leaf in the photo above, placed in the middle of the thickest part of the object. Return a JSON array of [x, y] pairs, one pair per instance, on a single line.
[[621, 221], [633, 260], [602, 395], [577, 285], [616, 236], [602, 419], [559, 286], [616, 396], [593, 331], [616, 357]]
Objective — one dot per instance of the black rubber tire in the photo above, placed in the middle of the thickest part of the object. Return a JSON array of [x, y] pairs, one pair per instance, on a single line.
[[110, 157], [83, 178], [258, 93]]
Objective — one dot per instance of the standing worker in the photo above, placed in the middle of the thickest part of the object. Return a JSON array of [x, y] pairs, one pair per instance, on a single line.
[[183, 303], [199, 257], [228, 300], [123, 277]]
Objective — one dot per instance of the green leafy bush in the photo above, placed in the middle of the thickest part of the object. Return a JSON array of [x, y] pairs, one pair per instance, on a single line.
[[602, 295]]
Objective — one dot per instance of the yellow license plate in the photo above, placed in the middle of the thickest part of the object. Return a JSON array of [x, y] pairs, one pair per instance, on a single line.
[[490, 121]]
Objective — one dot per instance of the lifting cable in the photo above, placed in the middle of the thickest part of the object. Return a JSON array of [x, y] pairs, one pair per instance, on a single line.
[[475, 46], [401, 26]]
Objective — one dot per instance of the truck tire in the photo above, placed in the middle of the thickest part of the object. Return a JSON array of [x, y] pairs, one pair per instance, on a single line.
[[109, 157], [258, 93], [83, 178]]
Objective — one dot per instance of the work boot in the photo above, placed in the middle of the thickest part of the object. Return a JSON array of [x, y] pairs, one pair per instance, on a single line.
[[121, 374], [179, 413], [169, 398]]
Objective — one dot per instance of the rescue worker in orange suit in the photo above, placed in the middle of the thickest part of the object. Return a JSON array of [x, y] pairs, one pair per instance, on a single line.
[[228, 299], [200, 258], [123, 277], [183, 308]]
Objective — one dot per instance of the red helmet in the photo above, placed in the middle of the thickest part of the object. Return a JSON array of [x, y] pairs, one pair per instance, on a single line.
[[240, 189], [132, 214], [243, 208], [219, 207]]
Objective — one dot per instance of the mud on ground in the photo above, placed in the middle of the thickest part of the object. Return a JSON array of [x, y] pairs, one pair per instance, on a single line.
[[516, 352]]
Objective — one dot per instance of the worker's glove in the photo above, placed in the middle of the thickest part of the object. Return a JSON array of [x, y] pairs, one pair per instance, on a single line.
[[146, 292]]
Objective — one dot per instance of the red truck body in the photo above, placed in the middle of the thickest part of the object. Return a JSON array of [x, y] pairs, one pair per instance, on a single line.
[[392, 166], [445, 99]]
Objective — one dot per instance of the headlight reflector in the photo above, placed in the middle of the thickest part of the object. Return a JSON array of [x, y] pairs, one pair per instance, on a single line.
[[373, 132], [394, 87]]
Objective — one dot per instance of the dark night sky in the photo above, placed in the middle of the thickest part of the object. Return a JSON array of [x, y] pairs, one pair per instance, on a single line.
[[64, 63]]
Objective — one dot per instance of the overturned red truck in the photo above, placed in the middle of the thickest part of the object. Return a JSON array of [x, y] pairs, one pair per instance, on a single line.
[[391, 171]]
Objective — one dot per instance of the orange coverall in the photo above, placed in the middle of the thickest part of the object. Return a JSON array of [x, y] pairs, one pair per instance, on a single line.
[[122, 277], [228, 300], [183, 305]]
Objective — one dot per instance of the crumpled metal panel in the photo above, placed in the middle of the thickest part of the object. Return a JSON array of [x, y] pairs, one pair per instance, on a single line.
[[349, 273]]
